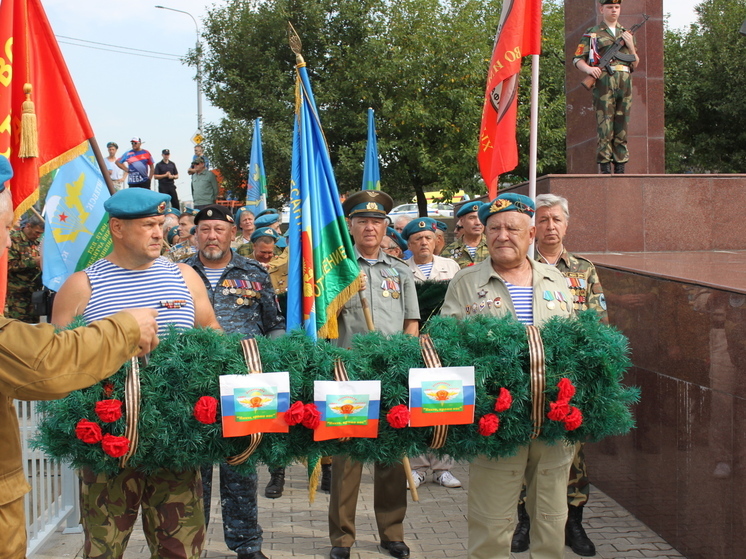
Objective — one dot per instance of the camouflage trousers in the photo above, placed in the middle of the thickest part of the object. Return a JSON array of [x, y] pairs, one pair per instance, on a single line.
[[612, 101], [578, 485], [241, 529], [173, 518]]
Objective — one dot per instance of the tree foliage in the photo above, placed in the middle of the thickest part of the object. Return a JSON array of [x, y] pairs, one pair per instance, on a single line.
[[705, 75], [420, 64]]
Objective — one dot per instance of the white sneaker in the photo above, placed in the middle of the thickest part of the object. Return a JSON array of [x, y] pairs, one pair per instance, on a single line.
[[418, 479], [446, 479]]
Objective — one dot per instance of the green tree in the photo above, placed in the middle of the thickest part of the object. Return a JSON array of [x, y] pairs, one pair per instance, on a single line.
[[421, 64], [705, 73]]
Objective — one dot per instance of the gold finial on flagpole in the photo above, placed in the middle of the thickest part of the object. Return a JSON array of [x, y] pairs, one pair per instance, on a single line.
[[295, 44]]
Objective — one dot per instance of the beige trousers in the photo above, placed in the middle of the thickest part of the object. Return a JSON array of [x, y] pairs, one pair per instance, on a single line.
[[494, 488]]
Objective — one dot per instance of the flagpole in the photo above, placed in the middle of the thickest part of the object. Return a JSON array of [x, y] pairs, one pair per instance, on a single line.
[[102, 165], [533, 144]]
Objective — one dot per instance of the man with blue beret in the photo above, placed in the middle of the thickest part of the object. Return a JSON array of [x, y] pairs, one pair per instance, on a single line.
[[268, 220], [393, 244], [440, 237], [263, 239], [471, 247], [39, 363], [134, 275], [241, 293], [390, 291], [508, 281], [187, 245]]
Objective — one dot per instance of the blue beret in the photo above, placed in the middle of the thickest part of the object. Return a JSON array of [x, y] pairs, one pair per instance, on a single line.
[[265, 232], [171, 234], [135, 203], [442, 226], [266, 220], [368, 203], [282, 242], [172, 210], [394, 234], [469, 207], [268, 211], [239, 213], [508, 202], [417, 225], [190, 211], [6, 171]]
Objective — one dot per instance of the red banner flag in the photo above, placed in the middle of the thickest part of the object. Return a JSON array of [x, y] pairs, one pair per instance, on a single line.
[[36, 85], [518, 35]]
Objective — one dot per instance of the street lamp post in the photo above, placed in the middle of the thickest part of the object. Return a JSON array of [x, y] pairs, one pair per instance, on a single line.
[[199, 66]]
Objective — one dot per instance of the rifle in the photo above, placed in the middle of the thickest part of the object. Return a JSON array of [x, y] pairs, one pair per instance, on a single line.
[[613, 53]]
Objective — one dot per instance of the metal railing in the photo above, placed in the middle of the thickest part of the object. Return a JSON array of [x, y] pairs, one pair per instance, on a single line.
[[54, 487]]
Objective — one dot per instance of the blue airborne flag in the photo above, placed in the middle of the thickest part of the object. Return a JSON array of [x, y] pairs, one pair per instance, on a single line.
[[322, 271], [256, 193], [371, 172], [77, 226]]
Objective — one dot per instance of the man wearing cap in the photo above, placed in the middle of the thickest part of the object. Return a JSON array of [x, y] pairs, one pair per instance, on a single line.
[[115, 173], [269, 220], [138, 163], [133, 274], [204, 184], [440, 237], [552, 218], [187, 245], [24, 270], [420, 234], [38, 363], [241, 293], [509, 282], [393, 244], [263, 241], [390, 291], [612, 94], [199, 151], [166, 173], [471, 247]]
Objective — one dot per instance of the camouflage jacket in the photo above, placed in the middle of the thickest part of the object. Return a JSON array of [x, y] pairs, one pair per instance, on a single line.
[[582, 280], [244, 300], [604, 39], [180, 252], [24, 277], [457, 251]]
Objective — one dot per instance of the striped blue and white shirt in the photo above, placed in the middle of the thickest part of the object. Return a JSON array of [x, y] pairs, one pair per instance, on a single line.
[[523, 302], [161, 287], [426, 269], [213, 275]]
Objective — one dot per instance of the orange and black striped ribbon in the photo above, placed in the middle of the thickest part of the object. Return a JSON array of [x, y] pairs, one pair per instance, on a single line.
[[432, 361], [340, 375], [131, 410], [254, 364], [538, 378]]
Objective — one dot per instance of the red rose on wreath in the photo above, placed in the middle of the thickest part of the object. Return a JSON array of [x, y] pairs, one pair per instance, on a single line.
[[574, 419], [566, 390], [109, 410], [311, 416], [88, 431], [488, 424], [504, 400], [115, 446], [206, 410], [558, 411], [295, 413], [398, 416]]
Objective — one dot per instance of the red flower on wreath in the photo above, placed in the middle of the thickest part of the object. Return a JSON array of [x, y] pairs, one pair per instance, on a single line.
[[295, 413], [566, 390], [109, 410], [311, 416], [488, 424], [206, 410], [88, 431], [115, 446], [398, 416], [558, 410], [504, 400], [108, 389], [574, 419]]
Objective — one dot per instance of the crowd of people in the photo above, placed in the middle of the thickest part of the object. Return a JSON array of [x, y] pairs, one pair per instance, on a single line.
[[193, 267]]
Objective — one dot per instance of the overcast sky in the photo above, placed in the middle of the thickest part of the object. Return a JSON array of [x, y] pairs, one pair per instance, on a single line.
[[156, 99]]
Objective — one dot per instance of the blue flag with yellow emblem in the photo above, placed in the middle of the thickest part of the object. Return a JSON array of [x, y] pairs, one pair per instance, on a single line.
[[371, 171], [256, 193], [77, 231]]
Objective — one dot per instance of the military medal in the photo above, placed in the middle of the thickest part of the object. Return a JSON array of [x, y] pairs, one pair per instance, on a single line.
[[395, 294], [239, 301], [225, 291], [385, 293], [482, 293], [498, 302], [551, 305]]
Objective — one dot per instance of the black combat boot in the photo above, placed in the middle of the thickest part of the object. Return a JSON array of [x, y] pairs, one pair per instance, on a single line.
[[326, 477], [520, 536], [618, 168], [276, 484], [605, 168], [575, 535]]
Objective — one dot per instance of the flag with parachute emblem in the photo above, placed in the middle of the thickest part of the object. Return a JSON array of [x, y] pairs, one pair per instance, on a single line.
[[256, 194], [518, 35]]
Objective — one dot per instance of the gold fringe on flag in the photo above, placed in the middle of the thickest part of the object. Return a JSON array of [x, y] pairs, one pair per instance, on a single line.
[[29, 145], [330, 328]]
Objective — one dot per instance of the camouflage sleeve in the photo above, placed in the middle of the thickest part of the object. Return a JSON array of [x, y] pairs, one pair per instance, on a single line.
[[596, 298], [584, 47], [22, 257]]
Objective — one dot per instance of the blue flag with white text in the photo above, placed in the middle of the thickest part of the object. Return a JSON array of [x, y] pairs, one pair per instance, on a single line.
[[256, 193]]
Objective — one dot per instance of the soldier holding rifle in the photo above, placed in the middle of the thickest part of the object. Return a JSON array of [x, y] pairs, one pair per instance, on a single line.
[[612, 90]]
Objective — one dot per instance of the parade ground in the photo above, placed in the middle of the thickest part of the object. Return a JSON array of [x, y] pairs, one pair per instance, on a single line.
[[435, 527]]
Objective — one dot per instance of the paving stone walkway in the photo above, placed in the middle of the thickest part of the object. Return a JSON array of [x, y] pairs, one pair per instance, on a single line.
[[435, 527]]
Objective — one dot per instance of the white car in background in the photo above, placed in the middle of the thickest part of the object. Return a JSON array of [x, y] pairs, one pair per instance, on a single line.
[[433, 210]]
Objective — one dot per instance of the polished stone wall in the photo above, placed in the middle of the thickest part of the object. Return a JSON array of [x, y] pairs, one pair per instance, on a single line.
[[683, 469]]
